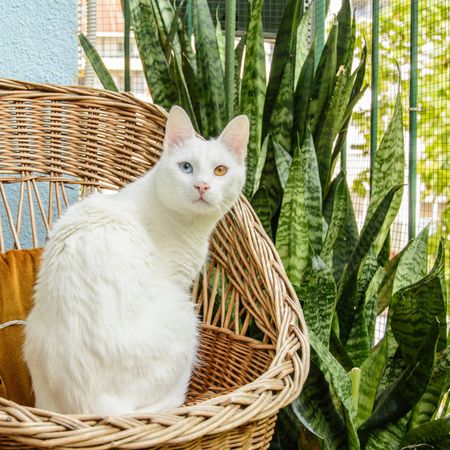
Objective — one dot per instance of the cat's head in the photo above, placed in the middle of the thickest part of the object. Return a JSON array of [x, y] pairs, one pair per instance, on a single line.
[[199, 177]]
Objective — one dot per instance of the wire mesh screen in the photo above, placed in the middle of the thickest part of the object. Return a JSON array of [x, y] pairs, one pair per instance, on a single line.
[[271, 14], [433, 130]]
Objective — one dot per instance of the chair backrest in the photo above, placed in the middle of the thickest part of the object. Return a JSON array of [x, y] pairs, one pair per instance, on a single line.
[[57, 144]]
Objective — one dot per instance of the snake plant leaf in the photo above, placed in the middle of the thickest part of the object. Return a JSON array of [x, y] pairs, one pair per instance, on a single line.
[[289, 432], [220, 40], [261, 204], [210, 67], [434, 434], [385, 291], [388, 437], [357, 93], [405, 392], [329, 196], [429, 405], [302, 49], [318, 293], [283, 52], [313, 193], [253, 90], [372, 228], [346, 35], [97, 64], [358, 343], [416, 308], [413, 263], [338, 379], [371, 301], [348, 282], [283, 161], [371, 371], [301, 96], [156, 70], [172, 40], [332, 121], [337, 220], [435, 401], [261, 164], [358, 88], [183, 90], [292, 237], [324, 81], [270, 178], [239, 52], [189, 68], [281, 121], [346, 241], [316, 410], [166, 18], [388, 171]]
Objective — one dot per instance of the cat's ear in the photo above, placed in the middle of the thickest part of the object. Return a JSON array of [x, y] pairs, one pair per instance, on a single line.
[[178, 128], [235, 136]]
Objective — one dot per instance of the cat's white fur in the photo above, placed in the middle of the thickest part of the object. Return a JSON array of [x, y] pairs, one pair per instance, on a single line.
[[113, 329]]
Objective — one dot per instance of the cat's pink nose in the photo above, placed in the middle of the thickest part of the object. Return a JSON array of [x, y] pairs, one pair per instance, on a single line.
[[202, 187]]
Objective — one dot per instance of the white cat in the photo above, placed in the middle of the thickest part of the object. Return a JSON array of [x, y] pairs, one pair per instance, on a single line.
[[113, 329]]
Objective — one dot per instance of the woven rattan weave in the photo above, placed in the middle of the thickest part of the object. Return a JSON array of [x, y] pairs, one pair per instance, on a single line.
[[58, 144]]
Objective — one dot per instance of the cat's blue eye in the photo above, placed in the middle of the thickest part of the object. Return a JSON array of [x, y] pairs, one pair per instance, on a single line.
[[186, 167]]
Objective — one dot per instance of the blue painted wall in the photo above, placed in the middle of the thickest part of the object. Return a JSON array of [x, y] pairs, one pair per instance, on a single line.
[[38, 40]]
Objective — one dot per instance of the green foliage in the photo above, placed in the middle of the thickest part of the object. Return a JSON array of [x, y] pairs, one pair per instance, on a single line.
[[359, 394], [96, 61]]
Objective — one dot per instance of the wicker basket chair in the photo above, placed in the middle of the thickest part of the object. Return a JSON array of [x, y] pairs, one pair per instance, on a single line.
[[58, 144]]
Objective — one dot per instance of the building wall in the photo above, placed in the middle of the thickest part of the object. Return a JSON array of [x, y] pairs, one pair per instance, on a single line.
[[38, 40]]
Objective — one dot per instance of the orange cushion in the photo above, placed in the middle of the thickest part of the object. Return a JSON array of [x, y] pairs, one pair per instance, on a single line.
[[18, 270]]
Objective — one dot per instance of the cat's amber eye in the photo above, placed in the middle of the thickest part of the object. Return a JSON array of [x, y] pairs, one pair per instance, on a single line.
[[220, 171]]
